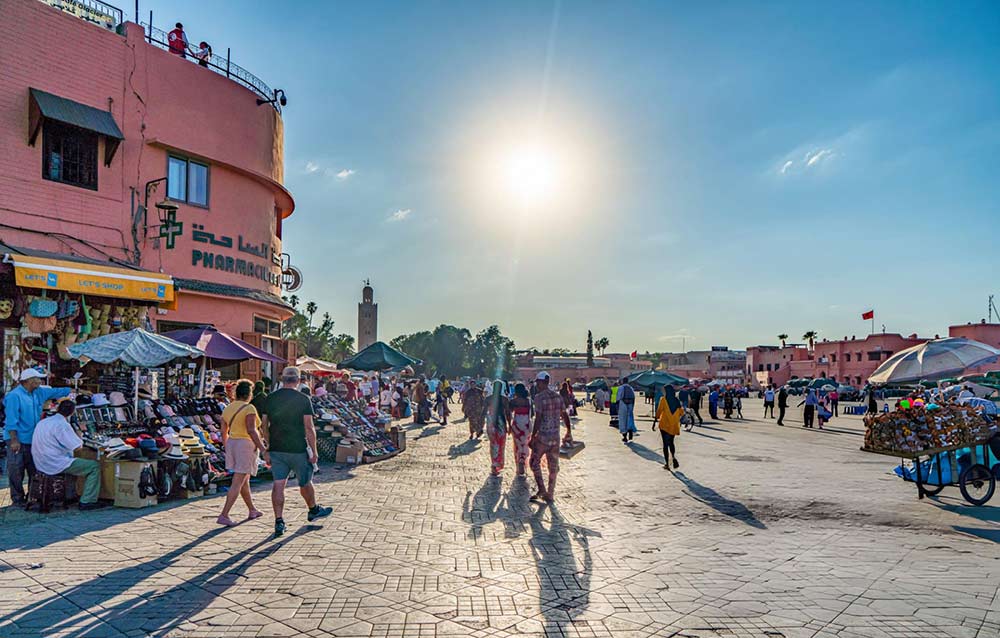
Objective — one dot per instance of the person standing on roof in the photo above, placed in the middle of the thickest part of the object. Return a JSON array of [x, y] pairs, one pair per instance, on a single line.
[[177, 41]]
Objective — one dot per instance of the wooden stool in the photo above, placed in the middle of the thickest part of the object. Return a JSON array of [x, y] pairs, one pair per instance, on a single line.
[[47, 490]]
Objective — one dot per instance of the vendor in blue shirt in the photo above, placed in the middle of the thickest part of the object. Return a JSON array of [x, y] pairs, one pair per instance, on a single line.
[[23, 409]]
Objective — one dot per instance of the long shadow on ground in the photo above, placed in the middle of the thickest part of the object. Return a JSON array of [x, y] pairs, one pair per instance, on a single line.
[[718, 502]]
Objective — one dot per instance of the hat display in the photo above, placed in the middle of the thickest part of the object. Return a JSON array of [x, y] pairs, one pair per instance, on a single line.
[[99, 400], [175, 453], [117, 400]]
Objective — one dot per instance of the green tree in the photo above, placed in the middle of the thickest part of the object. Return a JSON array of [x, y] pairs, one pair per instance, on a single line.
[[311, 309], [449, 351], [341, 347], [783, 337], [417, 345], [590, 349], [491, 354]]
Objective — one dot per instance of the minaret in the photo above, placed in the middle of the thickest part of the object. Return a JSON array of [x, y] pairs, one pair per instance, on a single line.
[[367, 318]]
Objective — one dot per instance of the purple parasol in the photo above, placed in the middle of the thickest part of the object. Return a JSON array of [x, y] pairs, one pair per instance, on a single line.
[[219, 345]]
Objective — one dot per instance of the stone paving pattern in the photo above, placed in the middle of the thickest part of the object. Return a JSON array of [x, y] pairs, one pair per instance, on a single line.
[[765, 532]]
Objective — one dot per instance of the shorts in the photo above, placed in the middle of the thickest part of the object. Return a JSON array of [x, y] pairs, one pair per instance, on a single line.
[[768, 404], [241, 456], [284, 462]]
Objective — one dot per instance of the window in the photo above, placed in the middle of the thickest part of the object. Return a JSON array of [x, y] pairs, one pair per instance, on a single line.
[[777, 365], [887, 353], [69, 155], [833, 358], [857, 356], [769, 367], [187, 181], [267, 327], [874, 355], [847, 357]]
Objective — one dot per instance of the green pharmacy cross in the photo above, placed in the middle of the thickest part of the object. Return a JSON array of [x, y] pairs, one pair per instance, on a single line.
[[171, 229]]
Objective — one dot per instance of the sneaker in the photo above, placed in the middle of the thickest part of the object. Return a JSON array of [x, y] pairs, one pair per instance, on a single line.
[[225, 520], [676, 464], [92, 506], [279, 527], [318, 512]]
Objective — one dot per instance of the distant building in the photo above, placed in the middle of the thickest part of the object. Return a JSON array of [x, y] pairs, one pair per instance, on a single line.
[[367, 318], [575, 369], [852, 361], [719, 363], [767, 365], [988, 333]]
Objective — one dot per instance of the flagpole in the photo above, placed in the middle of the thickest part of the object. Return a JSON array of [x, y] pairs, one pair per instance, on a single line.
[[873, 322]]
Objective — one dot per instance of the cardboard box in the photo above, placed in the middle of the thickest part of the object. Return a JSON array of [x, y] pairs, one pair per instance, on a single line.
[[350, 453], [126, 492]]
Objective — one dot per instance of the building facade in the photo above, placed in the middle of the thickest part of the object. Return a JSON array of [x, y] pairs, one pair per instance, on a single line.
[[852, 361], [770, 365], [113, 149], [367, 318], [719, 363]]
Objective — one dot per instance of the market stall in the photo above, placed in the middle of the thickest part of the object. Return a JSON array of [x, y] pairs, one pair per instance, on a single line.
[[354, 431], [218, 347]]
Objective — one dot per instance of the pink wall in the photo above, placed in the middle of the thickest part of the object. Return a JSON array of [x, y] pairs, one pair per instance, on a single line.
[[162, 104], [771, 363], [840, 359], [988, 333]]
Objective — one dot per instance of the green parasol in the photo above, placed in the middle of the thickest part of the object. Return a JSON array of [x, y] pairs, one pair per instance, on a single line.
[[378, 356]]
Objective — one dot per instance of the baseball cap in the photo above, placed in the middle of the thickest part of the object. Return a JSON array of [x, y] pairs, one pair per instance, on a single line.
[[542, 376], [31, 373], [291, 374]]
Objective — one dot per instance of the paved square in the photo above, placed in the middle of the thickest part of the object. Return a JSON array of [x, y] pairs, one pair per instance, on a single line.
[[764, 531]]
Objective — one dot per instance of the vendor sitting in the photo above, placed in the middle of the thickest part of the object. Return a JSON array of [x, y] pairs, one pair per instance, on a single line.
[[52, 450]]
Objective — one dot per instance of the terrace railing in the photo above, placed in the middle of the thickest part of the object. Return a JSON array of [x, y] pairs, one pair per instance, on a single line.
[[220, 64]]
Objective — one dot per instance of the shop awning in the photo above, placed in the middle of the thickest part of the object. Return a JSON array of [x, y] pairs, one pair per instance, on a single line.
[[90, 279], [44, 105]]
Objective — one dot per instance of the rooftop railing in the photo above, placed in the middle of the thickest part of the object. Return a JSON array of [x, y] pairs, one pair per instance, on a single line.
[[220, 64], [95, 11]]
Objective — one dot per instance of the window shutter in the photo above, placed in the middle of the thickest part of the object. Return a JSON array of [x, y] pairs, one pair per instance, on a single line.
[[250, 369], [293, 352]]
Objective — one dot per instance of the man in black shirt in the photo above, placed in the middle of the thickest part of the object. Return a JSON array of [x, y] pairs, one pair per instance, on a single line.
[[287, 423], [694, 402], [782, 404]]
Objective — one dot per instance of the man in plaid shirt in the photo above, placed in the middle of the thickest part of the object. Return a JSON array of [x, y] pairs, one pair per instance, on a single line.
[[550, 410]]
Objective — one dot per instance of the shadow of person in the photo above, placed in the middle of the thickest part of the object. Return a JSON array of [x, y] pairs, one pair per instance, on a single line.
[[563, 587], [431, 431], [719, 503], [155, 614], [645, 452], [467, 447], [482, 508]]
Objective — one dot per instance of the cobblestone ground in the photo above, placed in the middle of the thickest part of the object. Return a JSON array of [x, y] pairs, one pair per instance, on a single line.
[[764, 531]]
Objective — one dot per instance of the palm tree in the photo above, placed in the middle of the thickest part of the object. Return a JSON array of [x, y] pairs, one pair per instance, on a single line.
[[311, 309], [293, 301], [602, 344], [782, 337], [343, 347], [811, 338]]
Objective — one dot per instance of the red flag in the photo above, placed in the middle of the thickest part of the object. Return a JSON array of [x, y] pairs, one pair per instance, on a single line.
[[868, 315], [634, 355]]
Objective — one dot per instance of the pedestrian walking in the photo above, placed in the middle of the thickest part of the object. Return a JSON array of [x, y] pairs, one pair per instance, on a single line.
[[549, 412], [497, 427], [474, 405], [22, 412], [834, 397], [872, 402], [769, 401], [520, 425], [626, 412], [713, 403], [694, 402], [441, 406], [782, 404], [53, 444], [613, 408], [291, 446], [727, 404], [242, 443], [809, 412], [739, 406], [668, 421]]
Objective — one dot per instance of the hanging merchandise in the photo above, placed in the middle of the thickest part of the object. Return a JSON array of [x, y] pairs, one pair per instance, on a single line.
[[352, 431]]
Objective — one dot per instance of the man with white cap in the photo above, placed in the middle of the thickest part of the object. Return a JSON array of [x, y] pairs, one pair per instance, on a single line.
[[550, 410], [287, 424], [23, 410]]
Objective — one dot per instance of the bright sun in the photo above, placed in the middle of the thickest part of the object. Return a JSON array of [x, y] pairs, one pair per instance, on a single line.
[[531, 174]]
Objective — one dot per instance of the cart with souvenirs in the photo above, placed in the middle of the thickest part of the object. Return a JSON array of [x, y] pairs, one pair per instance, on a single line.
[[945, 445]]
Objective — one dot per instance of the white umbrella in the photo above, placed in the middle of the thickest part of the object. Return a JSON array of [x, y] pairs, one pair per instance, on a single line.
[[934, 359]]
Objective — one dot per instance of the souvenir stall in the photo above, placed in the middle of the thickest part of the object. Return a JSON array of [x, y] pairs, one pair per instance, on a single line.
[[218, 347], [354, 431], [150, 449]]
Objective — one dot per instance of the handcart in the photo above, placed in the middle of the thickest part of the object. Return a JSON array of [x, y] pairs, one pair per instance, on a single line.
[[975, 480]]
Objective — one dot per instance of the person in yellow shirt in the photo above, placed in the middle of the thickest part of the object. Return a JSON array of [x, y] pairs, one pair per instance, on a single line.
[[668, 420], [242, 442]]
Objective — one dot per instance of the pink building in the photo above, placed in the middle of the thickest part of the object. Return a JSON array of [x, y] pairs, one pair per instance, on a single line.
[[852, 361], [98, 127], [767, 365], [719, 363], [988, 333]]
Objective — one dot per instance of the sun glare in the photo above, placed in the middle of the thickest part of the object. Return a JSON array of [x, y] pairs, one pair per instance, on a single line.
[[531, 175]]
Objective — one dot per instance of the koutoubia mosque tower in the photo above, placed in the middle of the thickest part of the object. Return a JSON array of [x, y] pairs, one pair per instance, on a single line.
[[367, 318]]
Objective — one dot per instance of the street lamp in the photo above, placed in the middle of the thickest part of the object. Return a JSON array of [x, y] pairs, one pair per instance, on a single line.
[[279, 97]]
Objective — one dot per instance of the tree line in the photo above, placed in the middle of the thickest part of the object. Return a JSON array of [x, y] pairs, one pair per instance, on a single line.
[[453, 352]]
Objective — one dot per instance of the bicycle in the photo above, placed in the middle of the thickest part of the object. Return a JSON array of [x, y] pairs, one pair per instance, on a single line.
[[687, 419]]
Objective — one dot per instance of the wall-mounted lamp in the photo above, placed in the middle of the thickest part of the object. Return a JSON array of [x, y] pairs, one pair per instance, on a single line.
[[279, 97]]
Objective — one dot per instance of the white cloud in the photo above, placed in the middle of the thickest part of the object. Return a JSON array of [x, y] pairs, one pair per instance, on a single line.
[[787, 165], [815, 157], [312, 167], [400, 215], [345, 173]]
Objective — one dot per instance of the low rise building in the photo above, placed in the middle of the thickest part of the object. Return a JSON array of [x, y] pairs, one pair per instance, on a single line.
[[770, 365]]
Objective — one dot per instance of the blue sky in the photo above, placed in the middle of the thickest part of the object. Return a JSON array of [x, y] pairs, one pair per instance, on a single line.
[[728, 171]]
